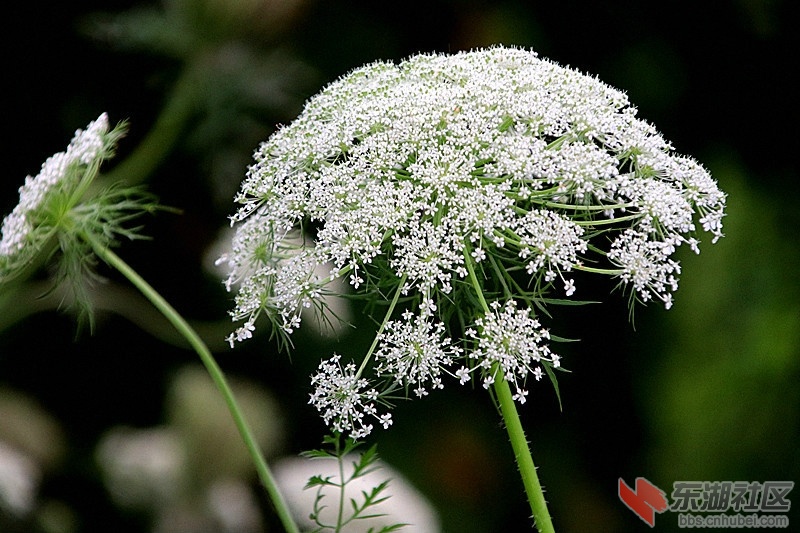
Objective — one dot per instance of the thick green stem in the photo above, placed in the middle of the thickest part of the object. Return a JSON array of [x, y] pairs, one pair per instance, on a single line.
[[216, 375], [522, 451]]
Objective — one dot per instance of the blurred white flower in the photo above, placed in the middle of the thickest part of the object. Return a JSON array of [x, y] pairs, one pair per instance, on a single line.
[[19, 481], [143, 468], [235, 507], [194, 474]]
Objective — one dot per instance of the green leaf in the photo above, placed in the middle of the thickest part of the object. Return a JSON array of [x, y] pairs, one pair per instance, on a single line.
[[319, 481], [366, 460], [390, 529], [564, 301], [317, 454], [554, 381]]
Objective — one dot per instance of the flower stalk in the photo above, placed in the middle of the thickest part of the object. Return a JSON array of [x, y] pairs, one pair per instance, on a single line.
[[389, 313], [516, 434], [183, 327], [522, 454]]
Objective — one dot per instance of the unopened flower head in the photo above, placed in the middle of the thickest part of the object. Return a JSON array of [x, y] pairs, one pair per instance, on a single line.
[[491, 171], [59, 209], [61, 171]]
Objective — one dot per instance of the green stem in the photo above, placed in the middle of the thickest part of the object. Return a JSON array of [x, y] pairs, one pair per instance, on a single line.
[[595, 270], [342, 485], [516, 434], [522, 453], [383, 325], [216, 375]]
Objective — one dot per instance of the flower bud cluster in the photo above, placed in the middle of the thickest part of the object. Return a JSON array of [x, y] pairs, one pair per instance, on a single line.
[[60, 170], [65, 215]]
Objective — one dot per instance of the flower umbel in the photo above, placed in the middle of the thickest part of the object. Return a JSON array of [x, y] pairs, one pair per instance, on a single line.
[[413, 352], [511, 341], [59, 210], [61, 173], [344, 399], [474, 185]]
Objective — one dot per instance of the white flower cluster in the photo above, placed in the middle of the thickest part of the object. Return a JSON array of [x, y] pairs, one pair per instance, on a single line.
[[511, 341], [344, 399], [444, 173], [84, 149], [413, 351]]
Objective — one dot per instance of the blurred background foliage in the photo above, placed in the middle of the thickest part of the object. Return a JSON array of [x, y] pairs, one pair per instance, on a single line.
[[117, 431]]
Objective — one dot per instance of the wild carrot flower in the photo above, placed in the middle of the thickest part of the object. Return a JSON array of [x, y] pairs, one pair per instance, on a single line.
[[344, 399], [26, 227], [59, 209], [467, 189], [511, 341], [413, 352]]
